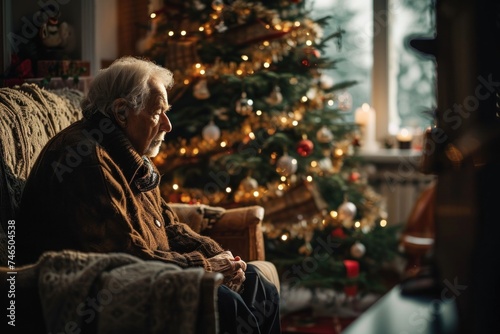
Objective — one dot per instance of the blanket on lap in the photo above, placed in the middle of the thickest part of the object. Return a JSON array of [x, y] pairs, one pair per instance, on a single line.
[[117, 293]]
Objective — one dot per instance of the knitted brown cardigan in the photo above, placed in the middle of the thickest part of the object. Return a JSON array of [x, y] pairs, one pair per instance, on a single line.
[[90, 191]]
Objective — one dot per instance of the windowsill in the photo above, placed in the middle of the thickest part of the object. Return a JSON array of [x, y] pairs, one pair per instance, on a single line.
[[390, 155]]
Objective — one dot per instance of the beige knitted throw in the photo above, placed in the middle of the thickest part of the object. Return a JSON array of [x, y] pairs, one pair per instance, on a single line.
[[29, 117], [117, 293]]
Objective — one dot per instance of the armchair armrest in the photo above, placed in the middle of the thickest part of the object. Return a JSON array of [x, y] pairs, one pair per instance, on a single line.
[[268, 269], [238, 219], [198, 216], [238, 229]]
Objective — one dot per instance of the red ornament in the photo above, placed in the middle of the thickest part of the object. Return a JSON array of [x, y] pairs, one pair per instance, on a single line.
[[351, 268], [356, 142], [352, 271], [338, 233], [309, 56], [305, 147], [354, 177], [351, 290]]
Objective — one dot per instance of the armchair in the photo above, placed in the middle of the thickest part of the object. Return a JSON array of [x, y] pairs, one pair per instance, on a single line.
[[237, 229], [29, 117]]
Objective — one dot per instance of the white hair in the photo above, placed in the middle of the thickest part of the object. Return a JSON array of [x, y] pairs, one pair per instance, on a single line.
[[127, 78]]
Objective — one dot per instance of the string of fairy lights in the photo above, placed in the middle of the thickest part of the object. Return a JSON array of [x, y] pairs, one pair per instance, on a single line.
[[271, 38], [261, 37]]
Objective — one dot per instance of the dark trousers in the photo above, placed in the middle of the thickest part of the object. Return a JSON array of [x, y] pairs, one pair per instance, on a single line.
[[254, 311]]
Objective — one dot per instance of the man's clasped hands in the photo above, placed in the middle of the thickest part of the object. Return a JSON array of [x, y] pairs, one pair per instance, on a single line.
[[232, 267]]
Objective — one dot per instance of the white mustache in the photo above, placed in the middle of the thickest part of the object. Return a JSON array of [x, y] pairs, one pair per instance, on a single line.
[[160, 138]]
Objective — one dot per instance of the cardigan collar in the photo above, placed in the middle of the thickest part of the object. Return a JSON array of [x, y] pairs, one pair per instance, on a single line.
[[139, 170]]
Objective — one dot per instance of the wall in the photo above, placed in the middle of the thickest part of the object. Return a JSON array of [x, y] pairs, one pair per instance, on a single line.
[[106, 32]]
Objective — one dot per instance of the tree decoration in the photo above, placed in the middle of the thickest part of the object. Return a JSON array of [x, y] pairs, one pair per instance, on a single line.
[[354, 176], [221, 26], [306, 249], [352, 272], [211, 132], [244, 105], [358, 250], [275, 97], [338, 233], [344, 101], [217, 5], [310, 56], [324, 135], [325, 164], [199, 5], [249, 184], [325, 81], [200, 90], [286, 165], [305, 147], [346, 213]]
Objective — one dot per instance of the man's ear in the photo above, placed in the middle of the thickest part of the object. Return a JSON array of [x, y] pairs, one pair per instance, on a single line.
[[120, 110]]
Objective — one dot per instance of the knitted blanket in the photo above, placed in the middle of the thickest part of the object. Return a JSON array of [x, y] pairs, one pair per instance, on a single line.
[[117, 293], [29, 117]]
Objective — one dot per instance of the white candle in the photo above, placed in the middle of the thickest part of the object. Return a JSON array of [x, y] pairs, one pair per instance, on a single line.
[[365, 118], [404, 138], [404, 135], [361, 116]]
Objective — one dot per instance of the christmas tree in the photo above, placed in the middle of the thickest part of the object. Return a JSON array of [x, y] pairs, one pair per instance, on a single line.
[[258, 120]]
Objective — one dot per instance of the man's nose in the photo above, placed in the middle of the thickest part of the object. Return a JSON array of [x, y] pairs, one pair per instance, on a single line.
[[165, 123]]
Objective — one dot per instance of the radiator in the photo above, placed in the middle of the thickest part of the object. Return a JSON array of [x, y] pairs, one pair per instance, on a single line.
[[400, 184]]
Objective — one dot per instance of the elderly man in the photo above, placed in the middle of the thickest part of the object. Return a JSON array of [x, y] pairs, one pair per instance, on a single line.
[[95, 189]]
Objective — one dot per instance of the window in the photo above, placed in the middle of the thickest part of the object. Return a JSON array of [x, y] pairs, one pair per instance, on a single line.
[[396, 80], [412, 73], [355, 52]]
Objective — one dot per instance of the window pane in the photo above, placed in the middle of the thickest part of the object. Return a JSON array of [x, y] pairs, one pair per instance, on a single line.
[[355, 17], [412, 75]]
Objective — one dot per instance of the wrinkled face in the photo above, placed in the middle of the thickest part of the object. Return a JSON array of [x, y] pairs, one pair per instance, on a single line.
[[146, 129]]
